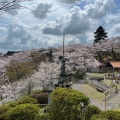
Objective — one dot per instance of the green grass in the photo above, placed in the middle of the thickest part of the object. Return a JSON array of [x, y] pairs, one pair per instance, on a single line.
[[96, 74], [93, 93], [107, 82]]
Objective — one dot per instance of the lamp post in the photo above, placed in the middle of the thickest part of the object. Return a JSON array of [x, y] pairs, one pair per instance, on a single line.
[[63, 59], [105, 101]]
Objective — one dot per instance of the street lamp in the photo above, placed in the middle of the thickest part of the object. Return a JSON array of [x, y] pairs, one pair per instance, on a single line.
[[63, 59], [105, 101]]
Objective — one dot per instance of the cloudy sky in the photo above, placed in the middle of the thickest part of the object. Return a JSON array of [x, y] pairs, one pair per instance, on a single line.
[[41, 23]]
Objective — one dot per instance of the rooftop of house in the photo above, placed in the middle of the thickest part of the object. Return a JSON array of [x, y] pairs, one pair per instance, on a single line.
[[115, 64]]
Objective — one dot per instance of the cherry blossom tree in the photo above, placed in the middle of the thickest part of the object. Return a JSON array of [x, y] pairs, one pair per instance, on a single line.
[[107, 48], [47, 73], [26, 85], [37, 57], [21, 56], [80, 56], [9, 91], [20, 65]]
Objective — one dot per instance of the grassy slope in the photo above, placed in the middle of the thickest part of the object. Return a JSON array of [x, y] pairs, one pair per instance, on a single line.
[[93, 93]]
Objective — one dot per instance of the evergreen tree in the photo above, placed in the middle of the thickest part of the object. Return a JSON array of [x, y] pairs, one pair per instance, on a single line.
[[100, 34]]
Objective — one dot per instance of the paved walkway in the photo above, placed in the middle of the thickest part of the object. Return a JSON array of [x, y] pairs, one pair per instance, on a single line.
[[79, 87], [110, 104]]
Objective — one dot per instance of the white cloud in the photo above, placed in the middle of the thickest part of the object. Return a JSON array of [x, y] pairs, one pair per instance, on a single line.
[[114, 31], [99, 9], [72, 40], [69, 1], [58, 41], [74, 22], [3, 30], [113, 18], [16, 37], [90, 36], [42, 10], [77, 19]]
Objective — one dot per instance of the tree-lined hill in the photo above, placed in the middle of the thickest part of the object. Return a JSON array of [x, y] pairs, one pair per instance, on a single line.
[[25, 70]]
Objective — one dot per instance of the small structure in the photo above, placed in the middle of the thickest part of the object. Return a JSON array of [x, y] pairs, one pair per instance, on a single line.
[[49, 88], [97, 67], [112, 67]]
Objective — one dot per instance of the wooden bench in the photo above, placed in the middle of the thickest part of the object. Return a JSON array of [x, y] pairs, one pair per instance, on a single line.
[[99, 89]]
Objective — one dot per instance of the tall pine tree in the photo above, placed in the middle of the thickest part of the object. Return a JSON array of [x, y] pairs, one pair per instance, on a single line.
[[100, 34]]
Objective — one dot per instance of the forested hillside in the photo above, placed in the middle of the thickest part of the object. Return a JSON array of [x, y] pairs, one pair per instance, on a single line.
[[25, 70]]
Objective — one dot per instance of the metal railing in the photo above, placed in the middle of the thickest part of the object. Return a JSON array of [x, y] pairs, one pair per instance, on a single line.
[[97, 84]]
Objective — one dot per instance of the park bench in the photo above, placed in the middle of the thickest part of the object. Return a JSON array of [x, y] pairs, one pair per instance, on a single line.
[[99, 89]]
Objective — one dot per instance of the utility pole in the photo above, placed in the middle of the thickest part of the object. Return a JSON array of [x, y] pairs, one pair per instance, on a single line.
[[63, 43], [105, 100], [63, 75], [62, 59]]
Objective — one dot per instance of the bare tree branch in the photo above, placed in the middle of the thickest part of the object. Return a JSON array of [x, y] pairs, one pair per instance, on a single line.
[[39, 10], [7, 5]]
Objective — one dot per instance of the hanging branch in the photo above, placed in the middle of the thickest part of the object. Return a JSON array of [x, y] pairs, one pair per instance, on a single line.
[[38, 10], [6, 6]]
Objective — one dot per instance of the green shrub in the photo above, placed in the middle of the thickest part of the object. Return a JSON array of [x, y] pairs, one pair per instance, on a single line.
[[109, 115], [11, 104], [65, 104], [91, 110], [21, 100], [23, 112], [113, 115], [26, 99], [98, 117], [3, 112], [33, 94], [43, 116], [36, 92], [41, 97], [79, 74]]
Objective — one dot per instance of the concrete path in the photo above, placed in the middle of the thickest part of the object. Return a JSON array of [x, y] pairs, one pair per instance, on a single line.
[[79, 87], [110, 104]]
